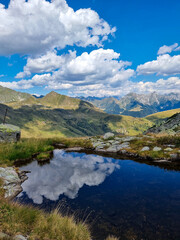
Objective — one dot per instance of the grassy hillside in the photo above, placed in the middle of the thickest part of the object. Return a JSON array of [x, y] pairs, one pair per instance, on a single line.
[[160, 116], [8, 95], [56, 100], [38, 121], [56, 115]]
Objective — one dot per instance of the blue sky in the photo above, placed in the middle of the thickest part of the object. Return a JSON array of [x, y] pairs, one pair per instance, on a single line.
[[142, 28]]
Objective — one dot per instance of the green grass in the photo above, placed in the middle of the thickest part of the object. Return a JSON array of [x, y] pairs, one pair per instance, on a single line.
[[155, 140], [10, 152], [158, 117]]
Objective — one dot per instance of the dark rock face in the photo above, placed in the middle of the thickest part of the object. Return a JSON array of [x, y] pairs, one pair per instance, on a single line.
[[9, 133]]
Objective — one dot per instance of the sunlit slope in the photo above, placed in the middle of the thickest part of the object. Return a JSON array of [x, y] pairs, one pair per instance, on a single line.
[[157, 117], [8, 95]]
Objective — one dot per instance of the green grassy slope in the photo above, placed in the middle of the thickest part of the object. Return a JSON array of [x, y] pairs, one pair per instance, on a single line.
[[8, 95], [160, 116], [56, 100]]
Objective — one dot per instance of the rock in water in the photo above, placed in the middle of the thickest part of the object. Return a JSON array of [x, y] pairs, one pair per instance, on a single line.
[[9, 133]]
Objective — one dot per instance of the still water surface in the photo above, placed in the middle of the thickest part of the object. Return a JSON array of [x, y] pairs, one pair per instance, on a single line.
[[124, 198]]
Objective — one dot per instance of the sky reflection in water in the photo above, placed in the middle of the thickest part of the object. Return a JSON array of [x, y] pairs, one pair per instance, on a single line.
[[124, 198], [66, 174]]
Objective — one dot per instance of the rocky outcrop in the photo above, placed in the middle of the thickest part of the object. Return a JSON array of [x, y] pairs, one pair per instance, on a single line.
[[9, 133], [170, 125], [12, 181]]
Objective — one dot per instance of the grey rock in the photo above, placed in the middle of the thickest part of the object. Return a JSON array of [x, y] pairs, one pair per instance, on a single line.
[[174, 156], [145, 149], [96, 144], [168, 149], [108, 135], [157, 149], [20, 237], [112, 149], [101, 146], [9, 133], [11, 182], [128, 139]]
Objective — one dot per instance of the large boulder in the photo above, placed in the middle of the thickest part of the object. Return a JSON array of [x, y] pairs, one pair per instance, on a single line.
[[9, 133]]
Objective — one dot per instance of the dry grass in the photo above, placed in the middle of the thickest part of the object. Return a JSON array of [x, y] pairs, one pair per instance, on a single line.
[[17, 219], [112, 238]]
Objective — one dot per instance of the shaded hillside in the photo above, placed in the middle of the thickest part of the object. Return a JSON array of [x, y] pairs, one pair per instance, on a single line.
[[138, 105], [37, 121], [170, 125]]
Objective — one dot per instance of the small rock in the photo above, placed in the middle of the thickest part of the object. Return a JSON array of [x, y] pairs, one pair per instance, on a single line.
[[168, 149], [112, 149], [96, 144], [3, 236], [157, 149], [19, 237], [174, 156], [108, 135], [145, 149]]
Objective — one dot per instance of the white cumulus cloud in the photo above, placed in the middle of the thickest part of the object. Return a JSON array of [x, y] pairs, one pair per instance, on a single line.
[[97, 67], [37, 26], [164, 65]]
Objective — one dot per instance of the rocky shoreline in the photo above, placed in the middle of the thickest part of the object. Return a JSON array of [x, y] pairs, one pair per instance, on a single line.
[[12, 181]]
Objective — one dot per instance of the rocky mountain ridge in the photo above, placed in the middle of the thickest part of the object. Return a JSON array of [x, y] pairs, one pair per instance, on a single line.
[[138, 105]]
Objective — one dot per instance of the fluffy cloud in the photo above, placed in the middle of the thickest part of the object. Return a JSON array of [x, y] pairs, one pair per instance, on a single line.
[[98, 67], [164, 65], [168, 49], [69, 174], [45, 63], [37, 26]]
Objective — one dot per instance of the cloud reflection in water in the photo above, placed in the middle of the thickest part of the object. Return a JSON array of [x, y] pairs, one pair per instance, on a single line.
[[66, 174]]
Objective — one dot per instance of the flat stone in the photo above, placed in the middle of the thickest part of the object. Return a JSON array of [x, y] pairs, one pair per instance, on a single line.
[[128, 139], [108, 135], [101, 146], [20, 237], [157, 149], [168, 149], [145, 149], [112, 149], [74, 149], [96, 144]]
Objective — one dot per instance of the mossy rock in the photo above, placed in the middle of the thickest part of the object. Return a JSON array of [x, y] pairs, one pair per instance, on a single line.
[[9, 128], [9, 133]]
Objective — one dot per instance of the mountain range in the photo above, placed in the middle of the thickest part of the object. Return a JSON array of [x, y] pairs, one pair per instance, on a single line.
[[56, 115], [137, 105]]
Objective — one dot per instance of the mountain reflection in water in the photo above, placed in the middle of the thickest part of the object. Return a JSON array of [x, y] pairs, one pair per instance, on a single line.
[[66, 174]]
